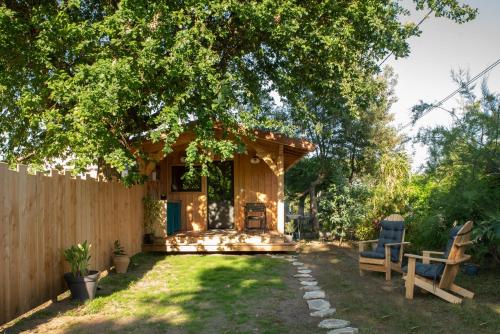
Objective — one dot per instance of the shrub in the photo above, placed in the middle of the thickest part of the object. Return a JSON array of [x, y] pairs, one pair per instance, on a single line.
[[341, 210]]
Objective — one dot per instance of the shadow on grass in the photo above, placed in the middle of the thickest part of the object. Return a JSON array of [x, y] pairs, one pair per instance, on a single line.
[[192, 294], [139, 266]]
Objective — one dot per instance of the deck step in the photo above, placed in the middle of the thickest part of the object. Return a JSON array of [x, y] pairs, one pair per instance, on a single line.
[[237, 247]]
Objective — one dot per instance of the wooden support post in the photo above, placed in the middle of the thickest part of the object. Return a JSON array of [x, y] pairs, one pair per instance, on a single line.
[[387, 263], [410, 278], [280, 205], [426, 255]]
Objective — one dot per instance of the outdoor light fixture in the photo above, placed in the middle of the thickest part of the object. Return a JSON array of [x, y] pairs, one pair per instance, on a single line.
[[183, 159], [254, 160]]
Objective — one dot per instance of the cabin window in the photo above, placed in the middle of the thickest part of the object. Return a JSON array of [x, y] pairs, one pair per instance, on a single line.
[[183, 182]]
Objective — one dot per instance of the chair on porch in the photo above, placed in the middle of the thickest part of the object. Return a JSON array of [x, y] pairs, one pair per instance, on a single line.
[[388, 253], [255, 213], [438, 277]]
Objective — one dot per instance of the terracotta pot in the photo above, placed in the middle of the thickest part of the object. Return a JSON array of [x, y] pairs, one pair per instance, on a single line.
[[82, 287], [121, 263]]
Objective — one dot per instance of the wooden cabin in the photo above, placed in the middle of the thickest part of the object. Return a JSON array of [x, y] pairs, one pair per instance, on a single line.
[[216, 210]]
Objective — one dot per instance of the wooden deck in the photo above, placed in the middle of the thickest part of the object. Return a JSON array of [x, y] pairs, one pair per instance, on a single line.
[[221, 241]]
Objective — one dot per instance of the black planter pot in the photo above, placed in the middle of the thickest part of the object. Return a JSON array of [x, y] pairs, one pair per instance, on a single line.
[[82, 288], [471, 269], [149, 238]]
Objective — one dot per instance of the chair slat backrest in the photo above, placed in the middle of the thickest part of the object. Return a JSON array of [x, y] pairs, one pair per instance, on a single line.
[[255, 207], [455, 252]]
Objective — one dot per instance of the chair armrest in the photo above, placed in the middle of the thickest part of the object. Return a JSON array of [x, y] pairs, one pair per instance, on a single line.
[[428, 258], [462, 259], [362, 244], [366, 241], [397, 243], [427, 255], [462, 244], [432, 252]]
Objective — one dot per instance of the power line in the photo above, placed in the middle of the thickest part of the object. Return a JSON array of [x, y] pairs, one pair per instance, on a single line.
[[449, 96], [418, 25]]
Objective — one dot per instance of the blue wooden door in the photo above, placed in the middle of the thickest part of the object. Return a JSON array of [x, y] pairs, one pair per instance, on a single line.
[[173, 217]]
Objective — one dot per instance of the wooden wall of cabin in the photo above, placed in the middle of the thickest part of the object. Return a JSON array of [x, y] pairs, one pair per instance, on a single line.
[[194, 204], [252, 183]]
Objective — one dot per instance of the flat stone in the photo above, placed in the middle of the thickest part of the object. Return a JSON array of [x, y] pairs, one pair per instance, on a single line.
[[318, 304], [297, 263], [314, 294], [310, 288], [310, 283], [323, 313], [305, 271], [333, 323], [306, 279], [345, 330], [302, 275], [290, 260]]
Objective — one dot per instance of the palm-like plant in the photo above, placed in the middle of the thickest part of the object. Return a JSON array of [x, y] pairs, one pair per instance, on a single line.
[[78, 257]]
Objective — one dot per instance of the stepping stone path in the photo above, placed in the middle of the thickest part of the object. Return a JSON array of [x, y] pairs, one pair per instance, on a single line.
[[309, 283], [316, 299], [333, 323], [314, 294], [323, 313], [318, 304], [345, 330], [306, 279], [302, 275]]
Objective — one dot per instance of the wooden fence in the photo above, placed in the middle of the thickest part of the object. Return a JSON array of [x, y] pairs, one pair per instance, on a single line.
[[41, 215]]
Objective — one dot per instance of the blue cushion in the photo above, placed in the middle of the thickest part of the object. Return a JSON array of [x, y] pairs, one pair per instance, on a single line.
[[453, 234], [432, 271], [373, 255], [435, 270], [391, 232]]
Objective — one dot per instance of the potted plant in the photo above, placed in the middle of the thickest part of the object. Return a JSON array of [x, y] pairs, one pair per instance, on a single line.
[[152, 218], [289, 230], [120, 258], [81, 281]]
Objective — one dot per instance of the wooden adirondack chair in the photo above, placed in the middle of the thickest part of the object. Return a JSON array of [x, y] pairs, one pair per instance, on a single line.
[[438, 277], [388, 254]]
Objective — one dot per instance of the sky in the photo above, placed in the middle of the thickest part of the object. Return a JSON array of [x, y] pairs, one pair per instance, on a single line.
[[443, 45]]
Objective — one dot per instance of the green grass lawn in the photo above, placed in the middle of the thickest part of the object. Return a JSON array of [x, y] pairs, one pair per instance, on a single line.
[[185, 294], [257, 294]]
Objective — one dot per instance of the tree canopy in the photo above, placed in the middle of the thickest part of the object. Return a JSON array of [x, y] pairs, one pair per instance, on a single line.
[[89, 80]]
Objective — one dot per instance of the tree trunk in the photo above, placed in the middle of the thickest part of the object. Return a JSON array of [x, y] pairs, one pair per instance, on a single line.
[[302, 201], [313, 207], [314, 201]]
